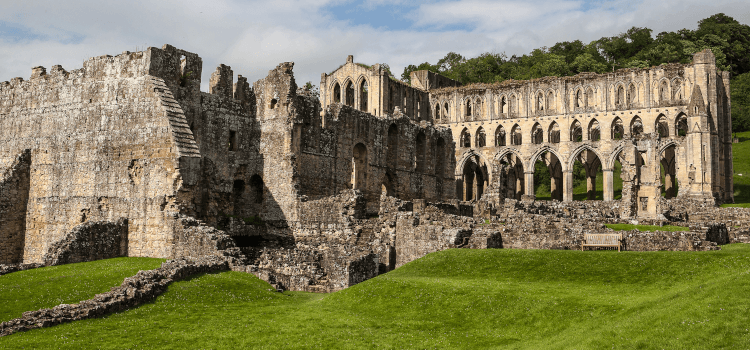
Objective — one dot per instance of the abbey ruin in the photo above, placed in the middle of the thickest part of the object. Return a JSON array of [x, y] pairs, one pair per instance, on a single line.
[[128, 157]]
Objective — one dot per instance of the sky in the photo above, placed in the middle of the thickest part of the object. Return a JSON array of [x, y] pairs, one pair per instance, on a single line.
[[317, 35]]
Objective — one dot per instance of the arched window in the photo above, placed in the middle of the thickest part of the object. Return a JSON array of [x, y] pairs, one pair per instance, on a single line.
[[350, 94], [554, 133], [336, 93], [481, 138], [551, 101], [590, 100], [503, 105], [515, 135], [576, 132], [681, 125], [500, 136], [537, 134], [446, 115], [663, 91], [662, 127], [618, 132], [513, 106], [594, 131], [620, 96], [677, 90], [468, 109], [478, 109], [632, 95], [437, 112], [579, 99], [539, 102], [636, 127], [363, 91], [465, 138]]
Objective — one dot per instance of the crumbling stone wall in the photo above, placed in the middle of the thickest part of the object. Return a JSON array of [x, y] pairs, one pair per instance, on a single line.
[[92, 240], [14, 196]]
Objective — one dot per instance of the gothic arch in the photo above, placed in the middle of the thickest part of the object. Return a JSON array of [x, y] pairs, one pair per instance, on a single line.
[[516, 135], [464, 138], [349, 92], [576, 131], [480, 138], [363, 92], [617, 128], [544, 149], [537, 134], [636, 126], [661, 125], [336, 93], [577, 151], [680, 125], [553, 133], [500, 136], [594, 130]]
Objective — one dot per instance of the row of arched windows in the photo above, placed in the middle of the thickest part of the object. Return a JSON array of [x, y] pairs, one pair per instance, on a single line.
[[576, 132], [348, 98]]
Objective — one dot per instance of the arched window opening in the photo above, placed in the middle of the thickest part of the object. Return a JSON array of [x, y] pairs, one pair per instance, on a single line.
[[539, 102], [590, 100], [468, 109], [579, 103], [512, 168], [500, 136], [537, 134], [662, 127], [474, 180], [363, 95], [273, 103], [437, 112], [478, 109], [392, 146], [503, 106], [350, 94], [618, 131], [668, 167], [677, 90], [620, 96], [481, 138], [576, 132], [636, 127], [681, 125], [513, 106], [445, 113], [594, 131], [420, 153], [465, 138], [554, 133], [336, 93], [359, 167], [551, 101], [419, 110], [663, 91], [515, 135], [632, 96]]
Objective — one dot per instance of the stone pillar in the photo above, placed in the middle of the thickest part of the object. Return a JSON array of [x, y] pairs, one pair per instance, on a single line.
[[668, 184], [591, 187], [567, 186], [529, 188], [608, 185]]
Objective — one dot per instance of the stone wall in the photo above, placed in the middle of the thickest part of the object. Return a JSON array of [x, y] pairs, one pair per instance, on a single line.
[[14, 196], [92, 240]]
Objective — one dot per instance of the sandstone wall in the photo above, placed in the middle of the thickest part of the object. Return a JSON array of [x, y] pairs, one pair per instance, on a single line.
[[92, 240]]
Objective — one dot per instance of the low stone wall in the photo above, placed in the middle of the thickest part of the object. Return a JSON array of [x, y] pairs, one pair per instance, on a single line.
[[6, 269], [663, 240], [194, 239], [92, 240], [134, 291], [485, 238]]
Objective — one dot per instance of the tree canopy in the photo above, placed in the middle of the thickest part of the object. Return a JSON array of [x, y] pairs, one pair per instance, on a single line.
[[636, 48]]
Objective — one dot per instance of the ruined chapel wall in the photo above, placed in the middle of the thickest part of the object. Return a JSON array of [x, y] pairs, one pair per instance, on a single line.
[[102, 147]]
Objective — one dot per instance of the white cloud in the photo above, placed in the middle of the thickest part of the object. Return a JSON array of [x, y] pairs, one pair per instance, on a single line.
[[253, 37]]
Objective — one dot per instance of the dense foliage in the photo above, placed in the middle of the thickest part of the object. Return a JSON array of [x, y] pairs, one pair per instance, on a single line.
[[728, 39]]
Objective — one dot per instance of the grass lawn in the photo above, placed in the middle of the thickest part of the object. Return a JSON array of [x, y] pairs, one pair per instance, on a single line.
[[628, 227], [64, 284], [741, 163], [459, 298]]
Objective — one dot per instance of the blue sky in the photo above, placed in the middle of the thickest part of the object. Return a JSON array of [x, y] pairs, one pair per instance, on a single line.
[[254, 36]]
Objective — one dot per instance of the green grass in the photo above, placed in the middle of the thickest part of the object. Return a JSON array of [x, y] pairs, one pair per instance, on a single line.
[[455, 299], [64, 284], [741, 163], [628, 227]]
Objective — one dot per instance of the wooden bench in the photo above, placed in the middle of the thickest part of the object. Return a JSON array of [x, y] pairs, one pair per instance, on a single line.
[[602, 240]]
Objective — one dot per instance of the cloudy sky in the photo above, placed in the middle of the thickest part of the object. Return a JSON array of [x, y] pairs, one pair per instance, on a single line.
[[254, 36]]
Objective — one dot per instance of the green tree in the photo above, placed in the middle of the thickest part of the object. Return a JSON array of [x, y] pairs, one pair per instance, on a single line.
[[740, 97]]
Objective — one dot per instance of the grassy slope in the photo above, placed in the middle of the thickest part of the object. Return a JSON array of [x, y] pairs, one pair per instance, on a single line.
[[65, 284], [741, 162], [452, 299]]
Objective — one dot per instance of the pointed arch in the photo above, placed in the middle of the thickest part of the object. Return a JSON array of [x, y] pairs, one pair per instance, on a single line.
[[336, 92], [551, 100], [503, 105], [499, 136], [677, 92], [436, 112], [363, 91], [681, 125], [513, 106], [537, 134], [662, 126], [579, 100], [349, 94], [539, 101], [618, 130], [620, 95], [594, 132], [554, 133], [480, 138], [478, 109], [465, 138], [632, 95], [516, 136], [576, 131], [446, 112], [663, 91], [590, 99]]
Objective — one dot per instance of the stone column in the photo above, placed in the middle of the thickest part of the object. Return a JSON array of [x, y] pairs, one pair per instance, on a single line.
[[529, 186], [591, 187], [567, 186], [608, 185], [669, 184]]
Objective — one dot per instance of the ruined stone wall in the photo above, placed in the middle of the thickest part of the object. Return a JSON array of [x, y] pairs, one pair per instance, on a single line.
[[92, 240], [104, 143], [405, 159], [14, 196]]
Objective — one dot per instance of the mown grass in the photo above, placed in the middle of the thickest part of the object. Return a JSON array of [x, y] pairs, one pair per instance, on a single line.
[[47, 287], [457, 299], [741, 163], [651, 228]]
